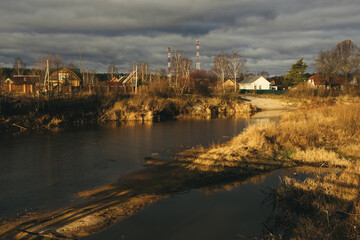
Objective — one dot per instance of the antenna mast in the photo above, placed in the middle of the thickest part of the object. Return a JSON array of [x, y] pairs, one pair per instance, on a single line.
[[197, 55], [169, 64]]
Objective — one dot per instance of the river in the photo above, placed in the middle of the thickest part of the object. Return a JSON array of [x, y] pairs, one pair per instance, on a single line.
[[42, 172]]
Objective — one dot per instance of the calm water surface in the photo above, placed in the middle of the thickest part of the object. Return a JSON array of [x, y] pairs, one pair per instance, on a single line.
[[44, 171], [238, 209]]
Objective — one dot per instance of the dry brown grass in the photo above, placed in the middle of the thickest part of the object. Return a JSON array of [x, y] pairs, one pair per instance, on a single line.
[[326, 204], [153, 108]]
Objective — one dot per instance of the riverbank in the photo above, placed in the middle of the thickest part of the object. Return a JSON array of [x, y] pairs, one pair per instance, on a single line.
[[326, 204], [325, 137], [36, 113]]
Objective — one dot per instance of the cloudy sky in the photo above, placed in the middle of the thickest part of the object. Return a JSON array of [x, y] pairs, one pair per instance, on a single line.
[[270, 34]]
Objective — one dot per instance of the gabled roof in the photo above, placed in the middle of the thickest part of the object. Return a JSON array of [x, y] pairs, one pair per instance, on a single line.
[[252, 79], [73, 75]]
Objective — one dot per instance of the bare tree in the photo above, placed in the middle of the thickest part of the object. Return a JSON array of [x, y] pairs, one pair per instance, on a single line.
[[160, 73], [176, 63], [342, 60], [57, 62], [72, 65], [39, 68], [221, 66], [347, 56], [144, 71], [185, 67], [325, 64], [19, 66], [92, 77], [263, 74], [89, 77], [112, 70]]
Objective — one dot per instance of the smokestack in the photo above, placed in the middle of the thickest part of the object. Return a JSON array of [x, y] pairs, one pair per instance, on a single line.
[[197, 55], [169, 63]]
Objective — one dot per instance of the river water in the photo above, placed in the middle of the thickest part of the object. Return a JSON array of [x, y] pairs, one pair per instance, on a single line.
[[43, 172], [236, 211]]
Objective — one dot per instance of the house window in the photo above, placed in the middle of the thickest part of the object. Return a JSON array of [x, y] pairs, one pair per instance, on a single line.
[[254, 86], [260, 87], [63, 76]]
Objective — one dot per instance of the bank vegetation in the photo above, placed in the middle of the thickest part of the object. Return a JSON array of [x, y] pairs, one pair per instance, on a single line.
[[32, 113], [326, 204]]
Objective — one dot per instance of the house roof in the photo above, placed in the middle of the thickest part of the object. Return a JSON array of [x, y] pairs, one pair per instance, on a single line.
[[73, 75], [112, 84], [25, 79], [332, 80], [252, 79]]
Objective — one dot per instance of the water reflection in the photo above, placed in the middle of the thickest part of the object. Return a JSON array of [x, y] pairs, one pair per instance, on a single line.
[[217, 212], [47, 170]]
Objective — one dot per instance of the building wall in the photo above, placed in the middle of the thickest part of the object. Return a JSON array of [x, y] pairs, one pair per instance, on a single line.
[[259, 84]]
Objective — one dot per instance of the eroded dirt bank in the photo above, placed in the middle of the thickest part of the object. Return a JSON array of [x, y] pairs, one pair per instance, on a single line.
[[33, 114]]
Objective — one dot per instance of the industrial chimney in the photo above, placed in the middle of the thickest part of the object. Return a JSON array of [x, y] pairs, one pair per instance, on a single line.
[[169, 63], [197, 55]]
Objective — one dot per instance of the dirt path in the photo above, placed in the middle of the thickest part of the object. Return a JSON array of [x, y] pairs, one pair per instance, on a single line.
[[265, 104]]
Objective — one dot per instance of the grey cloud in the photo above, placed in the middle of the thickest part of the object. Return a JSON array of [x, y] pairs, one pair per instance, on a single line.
[[271, 34]]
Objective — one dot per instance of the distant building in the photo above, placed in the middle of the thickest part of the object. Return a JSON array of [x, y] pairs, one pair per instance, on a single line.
[[26, 79], [115, 82], [276, 84], [8, 81], [255, 83], [229, 83], [21, 84], [330, 82], [64, 76]]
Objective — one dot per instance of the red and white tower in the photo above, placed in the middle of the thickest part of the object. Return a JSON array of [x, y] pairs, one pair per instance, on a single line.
[[169, 63], [197, 55]]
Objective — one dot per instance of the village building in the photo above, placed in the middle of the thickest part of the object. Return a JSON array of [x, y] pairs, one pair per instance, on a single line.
[[330, 82], [21, 84], [8, 81], [276, 84], [64, 76], [115, 82], [255, 83], [229, 84]]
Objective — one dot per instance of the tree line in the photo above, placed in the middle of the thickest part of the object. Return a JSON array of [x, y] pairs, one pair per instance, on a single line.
[[342, 60]]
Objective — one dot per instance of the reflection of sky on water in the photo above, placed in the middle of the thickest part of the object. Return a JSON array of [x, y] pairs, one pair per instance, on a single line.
[[46, 170]]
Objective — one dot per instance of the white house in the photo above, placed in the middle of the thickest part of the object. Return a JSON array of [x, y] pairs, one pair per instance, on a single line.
[[255, 83]]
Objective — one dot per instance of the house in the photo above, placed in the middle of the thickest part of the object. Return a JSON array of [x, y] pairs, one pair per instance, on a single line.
[[276, 83], [64, 76], [26, 80], [329, 82], [255, 83], [229, 84], [22, 84], [115, 82], [8, 81]]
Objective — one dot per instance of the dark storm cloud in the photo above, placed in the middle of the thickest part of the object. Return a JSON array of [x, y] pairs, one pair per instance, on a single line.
[[271, 34]]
